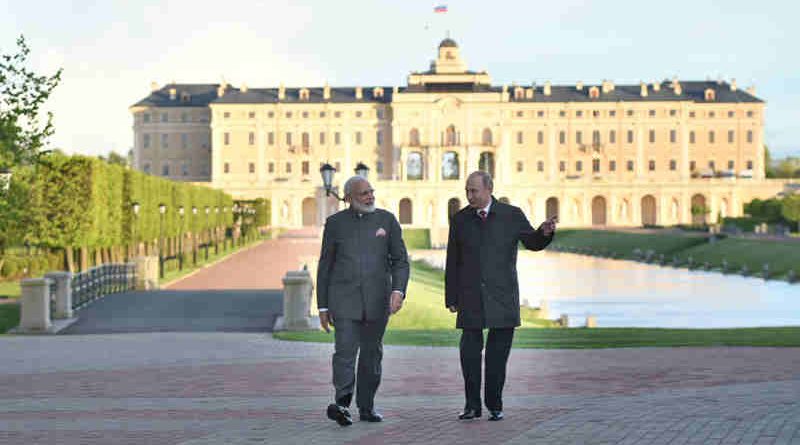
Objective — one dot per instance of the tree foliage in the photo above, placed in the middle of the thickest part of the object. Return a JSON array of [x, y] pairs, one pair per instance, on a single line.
[[22, 94]]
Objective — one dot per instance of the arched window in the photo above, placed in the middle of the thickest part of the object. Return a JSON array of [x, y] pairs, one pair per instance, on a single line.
[[413, 137], [405, 211], [450, 167], [453, 206], [594, 92], [710, 94], [414, 166], [306, 140], [486, 162], [450, 136], [486, 138], [551, 207], [304, 94]]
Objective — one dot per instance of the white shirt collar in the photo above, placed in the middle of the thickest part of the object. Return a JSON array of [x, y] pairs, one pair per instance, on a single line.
[[486, 209]]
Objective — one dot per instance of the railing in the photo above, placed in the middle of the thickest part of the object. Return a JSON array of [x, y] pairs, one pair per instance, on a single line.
[[101, 280]]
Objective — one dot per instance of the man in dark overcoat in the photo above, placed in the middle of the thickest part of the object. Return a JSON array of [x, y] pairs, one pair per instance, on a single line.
[[481, 286], [361, 280]]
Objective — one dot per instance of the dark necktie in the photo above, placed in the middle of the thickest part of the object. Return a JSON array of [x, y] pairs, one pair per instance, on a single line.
[[482, 214]]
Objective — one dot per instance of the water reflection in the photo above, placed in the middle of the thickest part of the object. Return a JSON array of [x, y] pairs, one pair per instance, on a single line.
[[623, 293]]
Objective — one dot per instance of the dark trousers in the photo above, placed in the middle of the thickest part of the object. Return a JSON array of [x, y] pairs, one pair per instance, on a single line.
[[363, 339], [498, 346]]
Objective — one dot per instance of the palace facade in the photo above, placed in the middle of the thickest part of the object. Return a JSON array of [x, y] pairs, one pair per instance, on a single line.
[[663, 153]]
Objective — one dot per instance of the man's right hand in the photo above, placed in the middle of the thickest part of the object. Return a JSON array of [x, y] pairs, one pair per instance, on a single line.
[[325, 320], [453, 308]]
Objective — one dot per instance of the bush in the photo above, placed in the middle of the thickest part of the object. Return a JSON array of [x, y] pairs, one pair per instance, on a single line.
[[10, 268], [417, 238]]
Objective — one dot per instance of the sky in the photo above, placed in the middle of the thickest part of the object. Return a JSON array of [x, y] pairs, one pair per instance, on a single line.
[[111, 51]]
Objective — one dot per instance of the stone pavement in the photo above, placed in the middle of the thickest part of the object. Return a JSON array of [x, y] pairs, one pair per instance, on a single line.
[[201, 388], [214, 388]]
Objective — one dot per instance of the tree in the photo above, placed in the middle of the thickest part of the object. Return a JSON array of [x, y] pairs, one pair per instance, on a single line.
[[115, 159], [769, 171], [790, 209], [22, 94]]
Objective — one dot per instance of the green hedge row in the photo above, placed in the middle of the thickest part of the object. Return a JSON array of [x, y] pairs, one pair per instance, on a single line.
[[16, 267], [83, 201]]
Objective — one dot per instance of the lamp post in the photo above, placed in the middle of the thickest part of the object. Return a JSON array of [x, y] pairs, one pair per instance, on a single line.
[[135, 208], [180, 240], [194, 236], [216, 231], [208, 234], [5, 178], [327, 172], [162, 209], [225, 234]]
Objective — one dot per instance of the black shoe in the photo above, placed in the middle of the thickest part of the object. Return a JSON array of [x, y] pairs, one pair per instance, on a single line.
[[339, 414], [496, 415], [469, 413], [370, 416]]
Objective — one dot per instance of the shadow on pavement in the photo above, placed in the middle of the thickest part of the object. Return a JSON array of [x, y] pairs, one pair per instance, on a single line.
[[181, 311]]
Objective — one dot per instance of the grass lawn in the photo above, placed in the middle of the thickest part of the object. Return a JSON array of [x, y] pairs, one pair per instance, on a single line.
[[625, 242], [582, 338], [9, 317]]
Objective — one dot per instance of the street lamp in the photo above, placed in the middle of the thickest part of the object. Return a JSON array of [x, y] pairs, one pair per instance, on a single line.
[[162, 208], [361, 170], [327, 172], [208, 233], [216, 231], [194, 236], [135, 208], [5, 178], [180, 240]]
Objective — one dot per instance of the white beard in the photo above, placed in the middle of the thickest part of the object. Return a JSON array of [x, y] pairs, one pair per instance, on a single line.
[[360, 208]]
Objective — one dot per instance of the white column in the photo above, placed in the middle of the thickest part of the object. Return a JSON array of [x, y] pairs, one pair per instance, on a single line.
[[63, 295]]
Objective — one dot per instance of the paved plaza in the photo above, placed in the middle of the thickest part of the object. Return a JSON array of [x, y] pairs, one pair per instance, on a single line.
[[240, 386]]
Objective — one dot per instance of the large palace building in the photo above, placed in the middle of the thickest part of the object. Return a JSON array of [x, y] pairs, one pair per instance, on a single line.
[[607, 155]]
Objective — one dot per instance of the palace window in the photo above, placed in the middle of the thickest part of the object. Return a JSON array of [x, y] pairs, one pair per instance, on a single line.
[[692, 165], [288, 167], [337, 138], [692, 114], [731, 164], [165, 170], [251, 167], [651, 165], [413, 138], [579, 113], [519, 137], [749, 136], [322, 138], [450, 166], [596, 165], [612, 137], [673, 113], [519, 166], [578, 166], [288, 114], [629, 113], [562, 137], [226, 168], [578, 137], [251, 115], [271, 138], [359, 114], [146, 141], [630, 166], [305, 140], [673, 165], [164, 140], [226, 139], [711, 165], [731, 136], [379, 137], [711, 137], [337, 114], [414, 166], [184, 140], [251, 139], [226, 115], [749, 165], [691, 137], [730, 113], [146, 118], [305, 114], [652, 136], [271, 167], [562, 166], [673, 136], [164, 117], [304, 167], [612, 113], [612, 165], [540, 137], [271, 114], [540, 113], [486, 138], [750, 113], [289, 139], [540, 166], [146, 168], [630, 136], [652, 113], [358, 138], [184, 117], [562, 113]]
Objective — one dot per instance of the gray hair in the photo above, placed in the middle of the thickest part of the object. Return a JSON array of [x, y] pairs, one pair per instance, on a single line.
[[348, 185], [485, 177]]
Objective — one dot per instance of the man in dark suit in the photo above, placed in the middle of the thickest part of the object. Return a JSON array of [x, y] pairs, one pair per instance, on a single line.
[[481, 285], [361, 280]]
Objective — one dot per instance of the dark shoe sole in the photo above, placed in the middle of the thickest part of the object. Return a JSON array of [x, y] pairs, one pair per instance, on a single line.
[[370, 419], [461, 417], [339, 416]]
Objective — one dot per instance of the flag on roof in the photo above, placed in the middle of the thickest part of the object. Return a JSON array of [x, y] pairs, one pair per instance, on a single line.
[[440, 8]]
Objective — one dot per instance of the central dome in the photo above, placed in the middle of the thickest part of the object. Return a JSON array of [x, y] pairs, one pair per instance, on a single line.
[[448, 43]]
